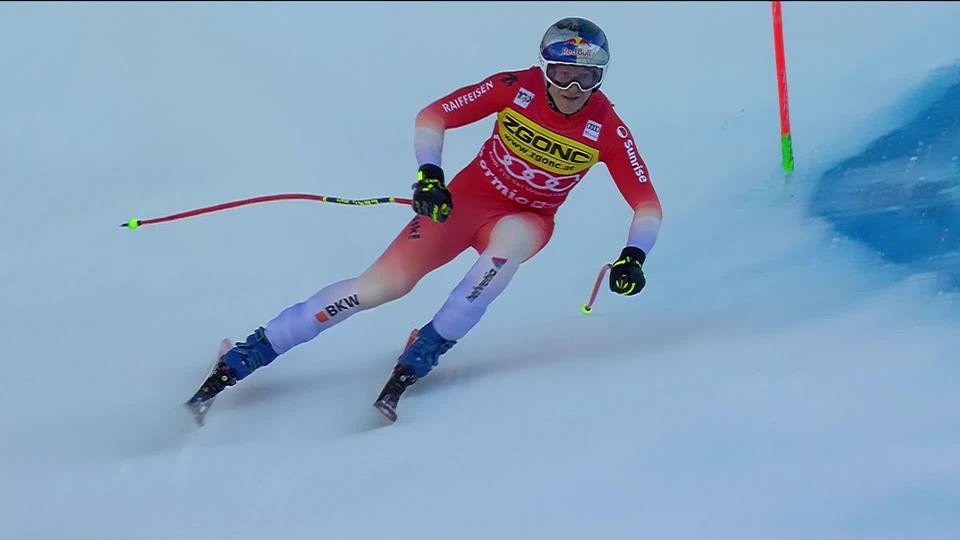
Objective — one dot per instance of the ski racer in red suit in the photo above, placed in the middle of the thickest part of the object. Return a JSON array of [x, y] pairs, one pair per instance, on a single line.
[[552, 125]]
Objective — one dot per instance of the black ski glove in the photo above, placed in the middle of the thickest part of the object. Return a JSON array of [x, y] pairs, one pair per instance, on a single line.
[[431, 197], [626, 274]]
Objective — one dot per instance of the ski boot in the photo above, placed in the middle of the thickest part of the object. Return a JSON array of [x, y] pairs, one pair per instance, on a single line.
[[233, 364], [420, 356]]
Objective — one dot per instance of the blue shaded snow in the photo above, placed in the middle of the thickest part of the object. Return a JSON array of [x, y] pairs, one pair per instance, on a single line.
[[900, 195]]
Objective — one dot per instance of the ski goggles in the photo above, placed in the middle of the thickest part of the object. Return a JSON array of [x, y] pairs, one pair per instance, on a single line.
[[564, 75]]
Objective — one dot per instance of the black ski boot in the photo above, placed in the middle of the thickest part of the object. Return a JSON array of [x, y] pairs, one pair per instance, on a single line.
[[401, 378]]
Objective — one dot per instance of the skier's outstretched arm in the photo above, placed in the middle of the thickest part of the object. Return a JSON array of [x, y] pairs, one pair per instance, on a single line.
[[629, 172]]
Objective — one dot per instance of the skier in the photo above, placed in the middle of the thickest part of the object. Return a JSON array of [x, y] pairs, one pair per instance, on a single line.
[[553, 123]]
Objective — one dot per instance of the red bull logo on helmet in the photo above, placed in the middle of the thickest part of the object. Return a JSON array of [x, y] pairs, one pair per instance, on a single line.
[[577, 48]]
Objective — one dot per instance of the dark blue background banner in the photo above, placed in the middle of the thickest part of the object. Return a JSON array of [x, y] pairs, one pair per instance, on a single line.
[[900, 194]]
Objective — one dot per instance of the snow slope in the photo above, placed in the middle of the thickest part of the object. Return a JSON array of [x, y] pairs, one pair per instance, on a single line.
[[776, 379]]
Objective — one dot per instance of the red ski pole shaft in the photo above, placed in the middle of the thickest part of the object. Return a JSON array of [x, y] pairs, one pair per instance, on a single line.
[[135, 223], [588, 307]]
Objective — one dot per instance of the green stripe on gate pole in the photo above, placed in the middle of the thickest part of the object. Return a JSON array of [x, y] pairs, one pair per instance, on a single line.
[[786, 146]]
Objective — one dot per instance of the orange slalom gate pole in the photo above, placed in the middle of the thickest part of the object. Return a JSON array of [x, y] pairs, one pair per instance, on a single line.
[[786, 139]]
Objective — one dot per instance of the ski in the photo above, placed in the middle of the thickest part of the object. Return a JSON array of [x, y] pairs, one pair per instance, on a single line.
[[387, 410], [387, 402], [197, 405]]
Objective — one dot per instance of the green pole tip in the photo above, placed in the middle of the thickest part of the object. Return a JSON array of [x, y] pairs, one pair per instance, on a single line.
[[133, 224], [586, 309]]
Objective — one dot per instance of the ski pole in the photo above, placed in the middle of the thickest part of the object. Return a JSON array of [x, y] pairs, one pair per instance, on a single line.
[[588, 307], [136, 223]]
